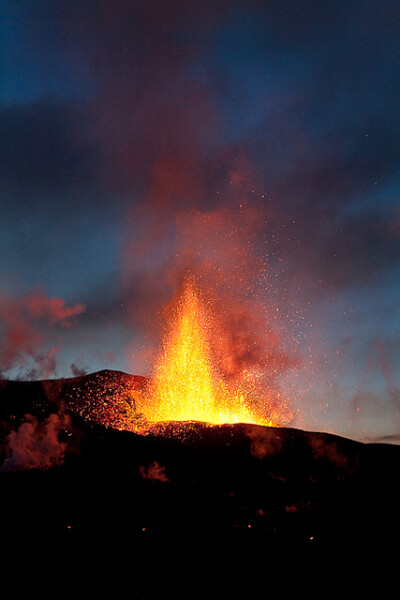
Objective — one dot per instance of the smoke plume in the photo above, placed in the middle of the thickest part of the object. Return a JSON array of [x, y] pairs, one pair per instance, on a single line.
[[36, 445], [154, 472]]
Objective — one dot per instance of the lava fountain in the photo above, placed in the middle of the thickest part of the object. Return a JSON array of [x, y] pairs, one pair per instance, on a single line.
[[186, 385]]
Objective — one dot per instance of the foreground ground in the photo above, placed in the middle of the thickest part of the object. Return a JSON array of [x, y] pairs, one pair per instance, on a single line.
[[238, 489]]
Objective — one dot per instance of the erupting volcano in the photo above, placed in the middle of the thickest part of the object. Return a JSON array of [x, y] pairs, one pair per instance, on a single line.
[[186, 384]]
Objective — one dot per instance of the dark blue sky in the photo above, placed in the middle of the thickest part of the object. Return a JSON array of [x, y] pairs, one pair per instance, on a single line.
[[255, 142]]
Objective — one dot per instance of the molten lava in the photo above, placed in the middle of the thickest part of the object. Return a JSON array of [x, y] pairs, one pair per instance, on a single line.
[[185, 385]]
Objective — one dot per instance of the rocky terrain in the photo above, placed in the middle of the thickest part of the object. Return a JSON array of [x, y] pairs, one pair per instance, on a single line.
[[77, 484]]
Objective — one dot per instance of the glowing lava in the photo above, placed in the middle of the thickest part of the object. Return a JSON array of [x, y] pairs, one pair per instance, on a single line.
[[185, 385]]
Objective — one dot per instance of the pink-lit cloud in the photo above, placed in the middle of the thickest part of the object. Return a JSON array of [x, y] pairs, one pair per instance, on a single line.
[[36, 445], [25, 324]]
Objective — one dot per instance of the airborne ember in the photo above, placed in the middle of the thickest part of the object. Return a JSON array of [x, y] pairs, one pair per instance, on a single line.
[[186, 385]]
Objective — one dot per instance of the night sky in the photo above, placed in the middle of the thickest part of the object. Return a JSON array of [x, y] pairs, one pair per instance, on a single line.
[[255, 144]]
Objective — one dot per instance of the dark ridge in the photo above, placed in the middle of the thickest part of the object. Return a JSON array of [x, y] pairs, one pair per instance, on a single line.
[[104, 396], [241, 489]]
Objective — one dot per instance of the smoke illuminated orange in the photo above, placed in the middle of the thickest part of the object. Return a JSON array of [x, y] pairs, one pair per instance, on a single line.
[[185, 385]]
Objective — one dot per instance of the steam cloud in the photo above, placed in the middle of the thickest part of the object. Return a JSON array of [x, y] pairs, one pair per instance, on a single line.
[[153, 472], [264, 442], [36, 445]]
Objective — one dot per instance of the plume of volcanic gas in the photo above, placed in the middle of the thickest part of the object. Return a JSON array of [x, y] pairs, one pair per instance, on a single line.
[[186, 385], [36, 445]]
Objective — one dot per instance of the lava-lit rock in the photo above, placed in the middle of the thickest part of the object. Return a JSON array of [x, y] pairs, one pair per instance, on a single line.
[[231, 485]]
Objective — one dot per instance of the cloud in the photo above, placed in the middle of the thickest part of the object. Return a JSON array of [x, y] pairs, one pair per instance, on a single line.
[[221, 246], [380, 360], [36, 445], [25, 323], [264, 441], [78, 371], [154, 472], [43, 149], [38, 305], [385, 439], [45, 364], [162, 115], [327, 449]]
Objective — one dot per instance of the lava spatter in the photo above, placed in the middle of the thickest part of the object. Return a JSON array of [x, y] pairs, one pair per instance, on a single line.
[[185, 384]]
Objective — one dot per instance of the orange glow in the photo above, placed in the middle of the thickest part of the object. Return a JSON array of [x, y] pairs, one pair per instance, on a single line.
[[185, 385]]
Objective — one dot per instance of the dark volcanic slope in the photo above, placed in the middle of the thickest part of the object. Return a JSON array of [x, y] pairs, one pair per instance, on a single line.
[[242, 486], [105, 397]]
